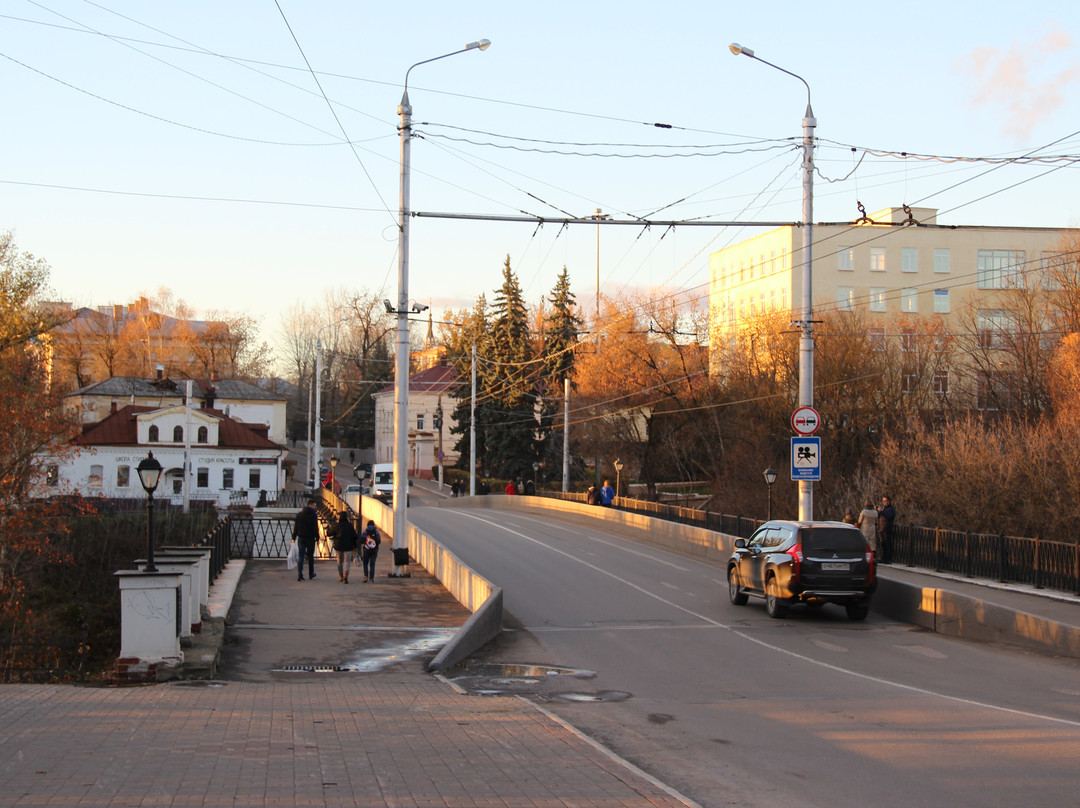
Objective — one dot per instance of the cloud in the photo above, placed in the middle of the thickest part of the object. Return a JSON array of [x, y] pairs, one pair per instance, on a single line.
[[1025, 83]]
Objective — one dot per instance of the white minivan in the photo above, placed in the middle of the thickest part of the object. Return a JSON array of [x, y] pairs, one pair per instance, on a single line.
[[382, 483]]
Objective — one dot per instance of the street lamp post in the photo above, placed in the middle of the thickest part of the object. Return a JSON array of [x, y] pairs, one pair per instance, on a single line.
[[770, 478], [618, 476], [401, 357], [333, 473], [805, 324], [149, 470]]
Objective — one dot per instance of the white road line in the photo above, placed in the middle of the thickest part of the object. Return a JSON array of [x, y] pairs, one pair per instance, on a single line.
[[809, 660]]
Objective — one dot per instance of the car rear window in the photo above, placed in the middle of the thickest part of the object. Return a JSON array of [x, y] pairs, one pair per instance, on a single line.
[[830, 538]]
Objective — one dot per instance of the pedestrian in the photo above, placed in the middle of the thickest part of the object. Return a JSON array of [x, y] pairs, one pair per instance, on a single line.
[[886, 526], [369, 549], [305, 533], [592, 496], [867, 523], [607, 494], [352, 457], [849, 517], [453, 488], [345, 540], [511, 489]]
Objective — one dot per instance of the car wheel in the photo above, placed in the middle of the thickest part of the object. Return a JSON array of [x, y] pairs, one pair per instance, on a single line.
[[857, 611], [738, 597], [775, 606]]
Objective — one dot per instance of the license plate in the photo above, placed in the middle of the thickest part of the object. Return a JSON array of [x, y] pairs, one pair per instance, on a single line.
[[835, 566]]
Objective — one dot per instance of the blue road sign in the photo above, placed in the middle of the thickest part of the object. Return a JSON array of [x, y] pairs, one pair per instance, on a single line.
[[806, 458]]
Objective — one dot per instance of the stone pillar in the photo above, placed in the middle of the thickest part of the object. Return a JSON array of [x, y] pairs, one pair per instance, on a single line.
[[149, 625], [184, 566]]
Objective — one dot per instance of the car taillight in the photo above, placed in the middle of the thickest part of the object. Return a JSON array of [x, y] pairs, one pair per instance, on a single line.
[[871, 561], [795, 551]]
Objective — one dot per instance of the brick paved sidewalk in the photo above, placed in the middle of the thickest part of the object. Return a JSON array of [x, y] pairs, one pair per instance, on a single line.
[[342, 741]]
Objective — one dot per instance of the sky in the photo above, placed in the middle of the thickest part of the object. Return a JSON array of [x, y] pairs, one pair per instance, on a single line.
[[245, 154]]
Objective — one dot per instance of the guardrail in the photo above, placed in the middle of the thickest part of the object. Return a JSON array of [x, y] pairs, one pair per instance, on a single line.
[[1013, 559]]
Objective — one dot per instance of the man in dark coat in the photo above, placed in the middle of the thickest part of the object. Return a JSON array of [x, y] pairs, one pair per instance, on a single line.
[[306, 533]]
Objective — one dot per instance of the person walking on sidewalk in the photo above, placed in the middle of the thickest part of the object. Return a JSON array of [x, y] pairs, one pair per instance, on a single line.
[[369, 549], [305, 533], [345, 540]]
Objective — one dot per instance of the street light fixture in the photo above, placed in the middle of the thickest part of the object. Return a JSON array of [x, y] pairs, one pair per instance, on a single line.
[[618, 476], [805, 324], [149, 470], [401, 357], [770, 478], [333, 473]]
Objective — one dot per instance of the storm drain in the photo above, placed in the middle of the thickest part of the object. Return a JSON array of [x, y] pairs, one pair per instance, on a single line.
[[311, 669]]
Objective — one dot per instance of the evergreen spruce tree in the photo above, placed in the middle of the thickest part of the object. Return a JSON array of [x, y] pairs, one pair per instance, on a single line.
[[561, 332]]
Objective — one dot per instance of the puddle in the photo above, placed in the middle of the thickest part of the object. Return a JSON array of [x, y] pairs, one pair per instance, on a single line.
[[382, 655], [502, 679], [600, 695]]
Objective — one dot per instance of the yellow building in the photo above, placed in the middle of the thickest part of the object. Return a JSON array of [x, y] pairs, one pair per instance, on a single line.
[[898, 261]]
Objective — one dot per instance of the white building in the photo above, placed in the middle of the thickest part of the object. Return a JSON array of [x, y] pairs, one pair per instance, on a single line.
[[430, 391], [229, 461]]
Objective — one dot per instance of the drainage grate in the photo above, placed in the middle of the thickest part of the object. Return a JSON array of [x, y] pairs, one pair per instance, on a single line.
[[312, 668]]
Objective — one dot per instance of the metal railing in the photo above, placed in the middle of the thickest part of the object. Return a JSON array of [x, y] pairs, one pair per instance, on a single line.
[[1013, 559], [25, 658]]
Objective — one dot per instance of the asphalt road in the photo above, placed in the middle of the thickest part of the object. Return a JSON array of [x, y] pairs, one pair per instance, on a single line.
[[733, 708]]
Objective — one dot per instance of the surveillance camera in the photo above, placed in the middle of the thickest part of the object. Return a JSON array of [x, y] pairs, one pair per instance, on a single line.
[[389, 308], [418, 307]]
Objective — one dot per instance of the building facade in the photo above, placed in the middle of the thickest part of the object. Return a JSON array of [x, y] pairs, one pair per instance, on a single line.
[[897, 264], [430, 419]]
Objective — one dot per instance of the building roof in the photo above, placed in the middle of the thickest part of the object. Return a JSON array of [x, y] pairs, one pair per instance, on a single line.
[[121, 429], [231, 389], [439, 379]]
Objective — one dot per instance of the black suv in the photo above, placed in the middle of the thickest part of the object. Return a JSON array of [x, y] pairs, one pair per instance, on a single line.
[[804, 562]]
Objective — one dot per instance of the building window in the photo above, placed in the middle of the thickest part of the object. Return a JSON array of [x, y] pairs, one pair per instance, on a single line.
[[909, 300], [845, 297], [420, 421], [202, 477], [227, 479], [993, 391], [253, 479], [907, 340], [877, 338], [178, 434], [941, 382], [96, 473], [941, 260], [152, 434], [1000, 269], [877, 298], [203, 435], [877, 259], [941, 301], [123, 476], [911, 380], [994, 326], [1053, 270], [909, 259], [52, 474], [845, 257]]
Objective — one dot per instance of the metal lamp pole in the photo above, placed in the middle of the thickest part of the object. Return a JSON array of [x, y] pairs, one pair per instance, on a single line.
[[401, 357], [770, 478], [805, 324], [149, 470]]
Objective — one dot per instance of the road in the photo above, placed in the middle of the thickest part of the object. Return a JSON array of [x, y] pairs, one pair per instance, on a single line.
[[733, 708]]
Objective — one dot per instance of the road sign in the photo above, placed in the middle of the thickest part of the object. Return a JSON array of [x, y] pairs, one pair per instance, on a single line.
[[805, 420], [806, 458]]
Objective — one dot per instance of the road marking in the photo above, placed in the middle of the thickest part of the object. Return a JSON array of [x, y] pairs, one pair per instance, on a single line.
[[770, 646]]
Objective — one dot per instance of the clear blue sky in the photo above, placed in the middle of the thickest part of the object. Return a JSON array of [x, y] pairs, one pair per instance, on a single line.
[[187, 145]]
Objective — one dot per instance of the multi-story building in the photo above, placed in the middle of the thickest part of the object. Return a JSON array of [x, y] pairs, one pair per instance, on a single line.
[[898, 263], [97, 344], [430, 418]]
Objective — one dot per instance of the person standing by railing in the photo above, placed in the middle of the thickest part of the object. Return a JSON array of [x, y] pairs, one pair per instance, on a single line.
[[886, 525]]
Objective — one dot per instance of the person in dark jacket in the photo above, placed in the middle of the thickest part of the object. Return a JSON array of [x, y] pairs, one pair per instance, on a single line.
[[345, 540], [369, 549], [306, 533], [887, 529]]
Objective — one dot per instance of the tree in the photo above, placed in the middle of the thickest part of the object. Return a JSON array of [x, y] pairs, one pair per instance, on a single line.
[[561, 331]]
